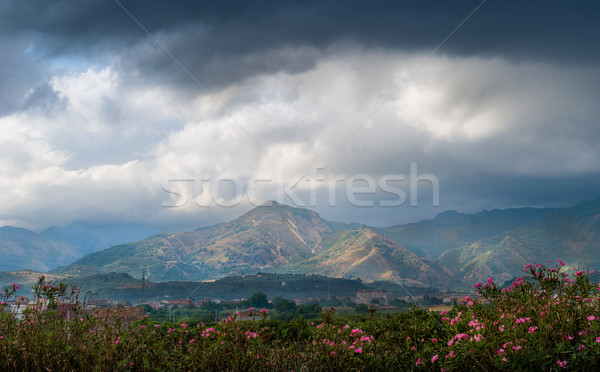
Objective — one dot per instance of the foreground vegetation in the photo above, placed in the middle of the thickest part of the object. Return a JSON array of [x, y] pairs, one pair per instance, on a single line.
[[546, 320]]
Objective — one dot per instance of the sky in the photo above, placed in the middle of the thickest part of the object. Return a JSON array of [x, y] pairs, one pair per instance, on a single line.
[[178, 115]]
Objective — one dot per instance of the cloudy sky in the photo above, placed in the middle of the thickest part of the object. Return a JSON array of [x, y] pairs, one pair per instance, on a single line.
[[177, 115]]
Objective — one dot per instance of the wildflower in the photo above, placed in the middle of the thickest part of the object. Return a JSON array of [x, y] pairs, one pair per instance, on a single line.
[[418, 362], [356, 331], [562, 364], [591, 317], [359, 350], [435, 357], [532, 329], [478, 337]]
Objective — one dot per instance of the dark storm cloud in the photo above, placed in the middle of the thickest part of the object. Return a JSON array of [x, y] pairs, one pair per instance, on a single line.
[[215, 39], [90, 104], [18, 73]]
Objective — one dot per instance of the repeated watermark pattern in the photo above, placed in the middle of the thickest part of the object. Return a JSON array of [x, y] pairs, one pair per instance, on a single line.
[[358, 189]]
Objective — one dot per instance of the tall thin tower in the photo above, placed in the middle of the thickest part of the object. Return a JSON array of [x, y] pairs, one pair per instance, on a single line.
[[143, 286]]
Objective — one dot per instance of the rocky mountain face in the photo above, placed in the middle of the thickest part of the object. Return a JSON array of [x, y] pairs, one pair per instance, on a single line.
[[273, 238], [451, 250]]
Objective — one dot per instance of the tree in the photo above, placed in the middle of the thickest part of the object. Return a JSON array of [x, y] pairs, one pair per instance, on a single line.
[[361, 308], [283, 305], [258, 300], [211, 306]]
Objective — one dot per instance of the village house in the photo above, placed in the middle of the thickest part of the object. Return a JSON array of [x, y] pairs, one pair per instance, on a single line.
[[370, 296], [253, 314], [440, 308]]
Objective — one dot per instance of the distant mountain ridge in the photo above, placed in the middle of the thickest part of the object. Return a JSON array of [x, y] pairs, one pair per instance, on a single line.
[[571, 234], [451, 229], [22, 249], [452, 250], [271, 237]]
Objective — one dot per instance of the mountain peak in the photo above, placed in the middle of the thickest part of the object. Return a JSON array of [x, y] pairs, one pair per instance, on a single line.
[[272, 203]]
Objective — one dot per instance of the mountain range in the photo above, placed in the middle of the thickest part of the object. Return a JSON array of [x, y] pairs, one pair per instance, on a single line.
[[22, 249], [452, 250], [269, 238]]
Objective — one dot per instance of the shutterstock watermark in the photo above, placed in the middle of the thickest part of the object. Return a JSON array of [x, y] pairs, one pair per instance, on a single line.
[[362, 190]]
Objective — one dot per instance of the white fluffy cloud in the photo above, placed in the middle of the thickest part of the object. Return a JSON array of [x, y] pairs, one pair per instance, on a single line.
[[111, 148]]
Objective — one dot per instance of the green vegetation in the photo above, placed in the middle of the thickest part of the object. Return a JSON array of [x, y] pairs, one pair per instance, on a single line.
[[546, 320]]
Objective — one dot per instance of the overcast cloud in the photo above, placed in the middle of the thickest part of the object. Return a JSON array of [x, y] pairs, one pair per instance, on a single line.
[[98, 123]]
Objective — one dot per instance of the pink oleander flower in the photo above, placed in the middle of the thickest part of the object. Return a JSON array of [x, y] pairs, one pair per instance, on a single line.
[[562, 364], [435, 357]]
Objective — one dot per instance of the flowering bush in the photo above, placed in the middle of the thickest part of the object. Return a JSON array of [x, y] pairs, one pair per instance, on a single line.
[[546, 320]]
